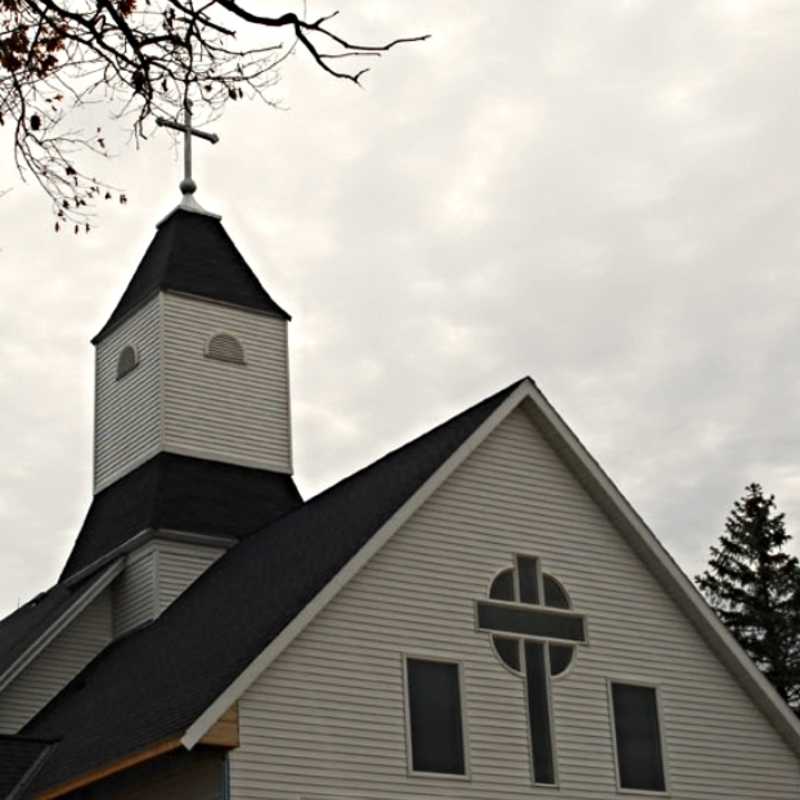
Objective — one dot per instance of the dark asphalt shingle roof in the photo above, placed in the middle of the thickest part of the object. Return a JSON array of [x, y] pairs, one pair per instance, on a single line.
[[185, 494], [193, 253], [18, 756], [20, 629], [159, 679]]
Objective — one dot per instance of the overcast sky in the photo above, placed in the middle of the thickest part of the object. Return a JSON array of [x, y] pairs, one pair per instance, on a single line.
[[602, 195]]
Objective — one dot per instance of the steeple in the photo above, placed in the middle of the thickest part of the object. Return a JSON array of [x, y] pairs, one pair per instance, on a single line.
[[193, 360]]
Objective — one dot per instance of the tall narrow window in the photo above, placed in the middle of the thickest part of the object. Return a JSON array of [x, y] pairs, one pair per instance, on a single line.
[[127, 361], [436, 729], [640, 760], [224, 347]]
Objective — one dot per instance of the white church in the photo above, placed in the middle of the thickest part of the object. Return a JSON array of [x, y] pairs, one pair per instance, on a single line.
[[479, 614]]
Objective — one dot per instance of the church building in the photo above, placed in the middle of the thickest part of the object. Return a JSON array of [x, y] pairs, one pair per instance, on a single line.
[[479, 614]]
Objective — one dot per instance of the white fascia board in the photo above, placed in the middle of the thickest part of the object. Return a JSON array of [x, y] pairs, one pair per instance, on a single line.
[[236, 689], [650, 550], [61, 623]]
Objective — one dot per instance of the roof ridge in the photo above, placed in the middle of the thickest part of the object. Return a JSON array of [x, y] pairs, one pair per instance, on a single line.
[[486, 400]]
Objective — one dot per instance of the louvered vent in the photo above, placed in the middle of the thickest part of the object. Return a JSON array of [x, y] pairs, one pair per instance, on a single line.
[[127, 361], [224, 347]]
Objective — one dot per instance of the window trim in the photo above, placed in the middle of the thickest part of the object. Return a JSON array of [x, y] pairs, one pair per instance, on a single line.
[[465, 743], [647, 684], [136, 360], [207, 348]]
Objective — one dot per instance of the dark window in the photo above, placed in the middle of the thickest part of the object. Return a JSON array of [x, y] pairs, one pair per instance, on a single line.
[[126, 362], [530, 621], [508, 651], [639, 757], [434, 712], [224, 347], [544, 770], [502, 587], [554, 594], [528, 571], [560, 658]]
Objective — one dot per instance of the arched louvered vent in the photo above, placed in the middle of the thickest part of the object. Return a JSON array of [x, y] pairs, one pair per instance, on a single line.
[[224, 347], [127, 361]]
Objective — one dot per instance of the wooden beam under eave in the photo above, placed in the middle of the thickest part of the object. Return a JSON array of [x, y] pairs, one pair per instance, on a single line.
[[225, 731], [112, 769]]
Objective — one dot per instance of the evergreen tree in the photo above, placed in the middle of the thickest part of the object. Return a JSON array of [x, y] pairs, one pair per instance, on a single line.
[[753, 585]]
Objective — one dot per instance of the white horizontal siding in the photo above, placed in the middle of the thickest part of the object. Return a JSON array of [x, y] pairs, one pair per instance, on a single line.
[[127, 422], [236, 413], [135, 590], [326, 719], [56, 665], [180, 564]]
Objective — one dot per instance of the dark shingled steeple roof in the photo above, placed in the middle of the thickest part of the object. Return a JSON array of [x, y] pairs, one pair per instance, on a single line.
[[184, 494], [193, 253], [159, 679]]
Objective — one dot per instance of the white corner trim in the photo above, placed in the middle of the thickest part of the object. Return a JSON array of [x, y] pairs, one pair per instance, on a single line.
[[203, 723], [61, 623], [647, 546]]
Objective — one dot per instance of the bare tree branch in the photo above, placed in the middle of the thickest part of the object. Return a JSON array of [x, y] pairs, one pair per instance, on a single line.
[[140, 59]]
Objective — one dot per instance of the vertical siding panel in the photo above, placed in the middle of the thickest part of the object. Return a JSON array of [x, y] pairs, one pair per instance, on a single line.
[[326, 719], [127, 422], [134, 591], [228, 412], [56, 665]]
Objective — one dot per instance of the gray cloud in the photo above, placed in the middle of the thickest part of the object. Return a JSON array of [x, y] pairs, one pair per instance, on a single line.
[[601, 195]]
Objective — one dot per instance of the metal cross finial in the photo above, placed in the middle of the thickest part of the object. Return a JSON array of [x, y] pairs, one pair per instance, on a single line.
[[187, 186]]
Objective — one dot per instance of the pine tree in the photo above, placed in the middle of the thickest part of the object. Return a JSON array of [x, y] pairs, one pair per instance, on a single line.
[[753, 585]]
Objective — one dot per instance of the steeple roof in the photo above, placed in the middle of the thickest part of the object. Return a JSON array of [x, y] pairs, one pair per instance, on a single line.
[[180, 493], [193, 253]]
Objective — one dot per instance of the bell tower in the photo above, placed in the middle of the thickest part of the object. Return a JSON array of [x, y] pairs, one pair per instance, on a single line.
[[192, 439], [193, 360]]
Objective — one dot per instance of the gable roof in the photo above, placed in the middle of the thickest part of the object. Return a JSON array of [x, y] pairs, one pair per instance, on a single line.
[[161, 678], [192, 253], [28, 630], [20, 759], [609, 498], [183, 494]]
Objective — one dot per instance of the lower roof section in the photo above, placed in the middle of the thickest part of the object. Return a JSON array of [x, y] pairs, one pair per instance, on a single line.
[[29, 629], [149, 687], [173, 492], [20, 760]]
